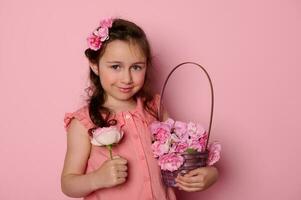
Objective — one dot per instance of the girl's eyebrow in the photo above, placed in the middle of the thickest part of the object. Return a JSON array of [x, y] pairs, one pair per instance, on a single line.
[[113, 62], [140, 62]]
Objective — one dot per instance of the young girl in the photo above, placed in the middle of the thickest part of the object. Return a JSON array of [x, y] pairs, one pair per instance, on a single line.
[[120, 60]]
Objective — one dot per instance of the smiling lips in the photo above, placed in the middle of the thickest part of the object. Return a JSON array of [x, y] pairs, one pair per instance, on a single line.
[[125, 89]]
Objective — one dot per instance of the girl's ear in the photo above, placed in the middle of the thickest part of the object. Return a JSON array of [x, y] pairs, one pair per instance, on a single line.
[[94, 67]]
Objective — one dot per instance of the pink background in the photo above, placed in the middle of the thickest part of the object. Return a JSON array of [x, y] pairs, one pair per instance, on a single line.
[[250, 48]]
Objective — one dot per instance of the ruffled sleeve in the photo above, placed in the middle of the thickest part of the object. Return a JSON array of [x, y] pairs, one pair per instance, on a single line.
[[81, 115]]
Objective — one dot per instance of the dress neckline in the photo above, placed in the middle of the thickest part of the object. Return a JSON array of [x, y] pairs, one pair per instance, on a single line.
[[137, 108]]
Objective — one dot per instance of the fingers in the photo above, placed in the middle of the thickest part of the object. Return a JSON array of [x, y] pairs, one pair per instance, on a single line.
[[201, 170], [119, 160], [195, 172], [191, 184], [191, 179], [188, 188], [118, 169], [122, 174], [120, 177], [121, 168], [115, 157]]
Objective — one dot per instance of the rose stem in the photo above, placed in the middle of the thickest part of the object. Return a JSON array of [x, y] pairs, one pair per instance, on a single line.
[[110, 150]]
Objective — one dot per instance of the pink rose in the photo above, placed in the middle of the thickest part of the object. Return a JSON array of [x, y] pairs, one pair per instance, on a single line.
[[155, 126], [171, 162], [162, 135], [181, 147], [94, 42], [214, 153], [195, 131], [159, 149], [204, 138], [180, 129], [195, 144], [160, 131], [103, 33], [174, 138], [170, 122]]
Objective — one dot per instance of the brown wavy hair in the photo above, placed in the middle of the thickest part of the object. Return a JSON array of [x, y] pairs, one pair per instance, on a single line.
[[126, 31]]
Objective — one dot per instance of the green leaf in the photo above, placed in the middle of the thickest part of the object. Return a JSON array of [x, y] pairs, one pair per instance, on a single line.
[[189, 150]]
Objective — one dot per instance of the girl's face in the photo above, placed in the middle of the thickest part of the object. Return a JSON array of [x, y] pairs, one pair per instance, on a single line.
[[121, 70]]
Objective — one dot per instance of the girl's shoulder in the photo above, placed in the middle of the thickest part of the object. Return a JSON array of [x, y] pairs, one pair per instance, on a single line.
[[82, 115]]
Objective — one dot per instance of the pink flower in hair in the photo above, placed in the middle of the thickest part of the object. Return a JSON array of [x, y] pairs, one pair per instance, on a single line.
[[94, 42], [100, 35], [103, 33]]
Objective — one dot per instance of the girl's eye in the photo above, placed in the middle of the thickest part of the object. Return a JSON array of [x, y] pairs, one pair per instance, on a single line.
[[136, 67], [115, 67]]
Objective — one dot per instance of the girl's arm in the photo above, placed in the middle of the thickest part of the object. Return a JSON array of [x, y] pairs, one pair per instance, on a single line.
[[74, 181]]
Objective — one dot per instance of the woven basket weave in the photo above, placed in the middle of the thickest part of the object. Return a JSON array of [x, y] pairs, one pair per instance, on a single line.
[[191, 161]]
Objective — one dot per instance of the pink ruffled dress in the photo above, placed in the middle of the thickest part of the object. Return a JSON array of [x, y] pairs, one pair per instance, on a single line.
[[144, 178]]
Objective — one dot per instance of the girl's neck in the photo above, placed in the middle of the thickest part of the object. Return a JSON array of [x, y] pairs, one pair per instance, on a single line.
[[119, 106]]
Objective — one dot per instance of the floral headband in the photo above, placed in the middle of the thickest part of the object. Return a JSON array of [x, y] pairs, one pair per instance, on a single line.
[[101, 34]]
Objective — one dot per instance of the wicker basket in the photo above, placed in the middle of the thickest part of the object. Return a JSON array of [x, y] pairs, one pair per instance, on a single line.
[[191, 160]]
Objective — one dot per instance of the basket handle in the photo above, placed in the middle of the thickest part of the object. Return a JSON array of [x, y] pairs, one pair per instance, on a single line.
[[160, 113]]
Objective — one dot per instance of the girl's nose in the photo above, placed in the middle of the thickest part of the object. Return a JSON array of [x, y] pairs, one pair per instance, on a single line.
[[127, 77]]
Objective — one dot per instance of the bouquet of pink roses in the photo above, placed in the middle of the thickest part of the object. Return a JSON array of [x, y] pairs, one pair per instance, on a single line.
[[180, 147]]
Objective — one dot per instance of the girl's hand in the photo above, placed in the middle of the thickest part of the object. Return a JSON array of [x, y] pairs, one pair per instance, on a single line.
[[198, 179], [110, 173]]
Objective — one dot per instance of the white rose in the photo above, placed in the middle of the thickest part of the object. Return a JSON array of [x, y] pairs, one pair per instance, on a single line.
[[106, 136]]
